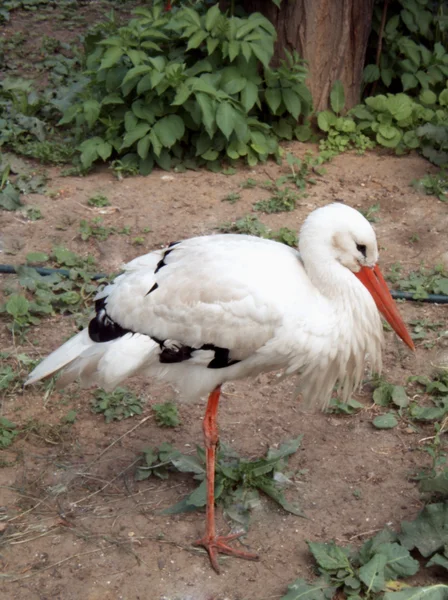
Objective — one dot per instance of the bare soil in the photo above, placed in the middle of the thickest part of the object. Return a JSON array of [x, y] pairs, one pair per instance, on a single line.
[[75, 522]]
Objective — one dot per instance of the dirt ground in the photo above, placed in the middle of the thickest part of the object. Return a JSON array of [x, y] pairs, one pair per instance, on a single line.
[[77, 525]]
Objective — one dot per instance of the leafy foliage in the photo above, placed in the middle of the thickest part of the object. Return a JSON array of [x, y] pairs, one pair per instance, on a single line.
[[167, 414], [381, 563], [8, 432], [434, 185], [422, 282], [117, 405], [185, 87], [250, 225], [237, 480], [39, 295]]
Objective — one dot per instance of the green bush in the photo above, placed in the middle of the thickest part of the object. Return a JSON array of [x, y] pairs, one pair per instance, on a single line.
[[185, 88]]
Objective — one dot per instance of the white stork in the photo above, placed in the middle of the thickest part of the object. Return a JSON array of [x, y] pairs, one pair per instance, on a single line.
[[218, 308]]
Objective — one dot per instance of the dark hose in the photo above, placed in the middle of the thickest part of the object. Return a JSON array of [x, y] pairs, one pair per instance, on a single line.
[[433, 298]]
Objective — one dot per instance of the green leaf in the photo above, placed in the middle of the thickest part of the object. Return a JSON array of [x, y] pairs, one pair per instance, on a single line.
[[433, 592], [212, 16], [169, 130], [443, 98], [135, 134], [143, 146], [136, 72], [428, 532], [399, 396], [399, 562], [387, 421], [301, 590], [196, 39], [292, 102], [104, 150], [435, 485], [329, 556], [286, 449], [371, 73], [36, 257], [326, 120], [92, 110], [249, 95], [372, 573], [111, 57], [188, 464], [17, 306], [439, 561], [225, 118], [10, 197], [273, 99], [337, 96], [428, 97], [409, 81], [208, 112]]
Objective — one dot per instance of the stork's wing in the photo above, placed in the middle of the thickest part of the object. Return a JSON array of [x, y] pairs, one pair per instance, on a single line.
[[226, 291]]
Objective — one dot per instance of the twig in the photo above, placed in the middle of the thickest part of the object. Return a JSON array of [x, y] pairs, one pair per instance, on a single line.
[[117, 440], [109, 482]]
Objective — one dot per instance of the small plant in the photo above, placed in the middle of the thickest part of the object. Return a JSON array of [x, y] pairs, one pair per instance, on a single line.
[[434, 185], [117, 405], [371, 213], [344, 408], [250, 225], [166, 415], [98, 201], [33, 213], [95, 229], [249, 183], [8, 431], [232, 198], [138, 241], [283, 200], [377, 568], [238, 481], [422, 282]]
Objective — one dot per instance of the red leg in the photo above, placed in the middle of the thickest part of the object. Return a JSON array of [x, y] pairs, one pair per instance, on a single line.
[[211, 542]]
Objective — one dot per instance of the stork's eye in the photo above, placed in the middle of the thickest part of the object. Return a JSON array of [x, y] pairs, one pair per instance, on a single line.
[[362, 248]]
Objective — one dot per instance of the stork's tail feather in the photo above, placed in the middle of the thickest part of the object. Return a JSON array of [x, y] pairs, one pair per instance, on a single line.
[[104, 364]]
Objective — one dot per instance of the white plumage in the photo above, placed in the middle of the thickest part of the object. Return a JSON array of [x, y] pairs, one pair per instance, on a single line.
[[270, 306], [217, 308]]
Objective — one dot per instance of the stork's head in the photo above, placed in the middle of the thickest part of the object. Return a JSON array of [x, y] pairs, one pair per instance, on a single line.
[[337, 233]]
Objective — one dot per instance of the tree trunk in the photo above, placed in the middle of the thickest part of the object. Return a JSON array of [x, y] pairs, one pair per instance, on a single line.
[[331, 35]]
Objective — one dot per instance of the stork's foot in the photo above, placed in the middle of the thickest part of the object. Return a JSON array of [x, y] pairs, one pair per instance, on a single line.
[[218, 544]]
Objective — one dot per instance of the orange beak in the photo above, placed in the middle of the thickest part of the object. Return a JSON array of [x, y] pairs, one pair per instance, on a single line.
[[374, 281]]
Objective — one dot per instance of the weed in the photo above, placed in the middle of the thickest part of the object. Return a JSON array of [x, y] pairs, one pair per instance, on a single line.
[[238, 481], [283, 200], [8, 431], [166, 415], [344, 408], [422, 282], [232, 198], [371, 213], [117, 405], [434, 185], [95, 229], [250, 225], [381, 562], [33, 213], [138, 241], [98, 200], [249, 183]]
